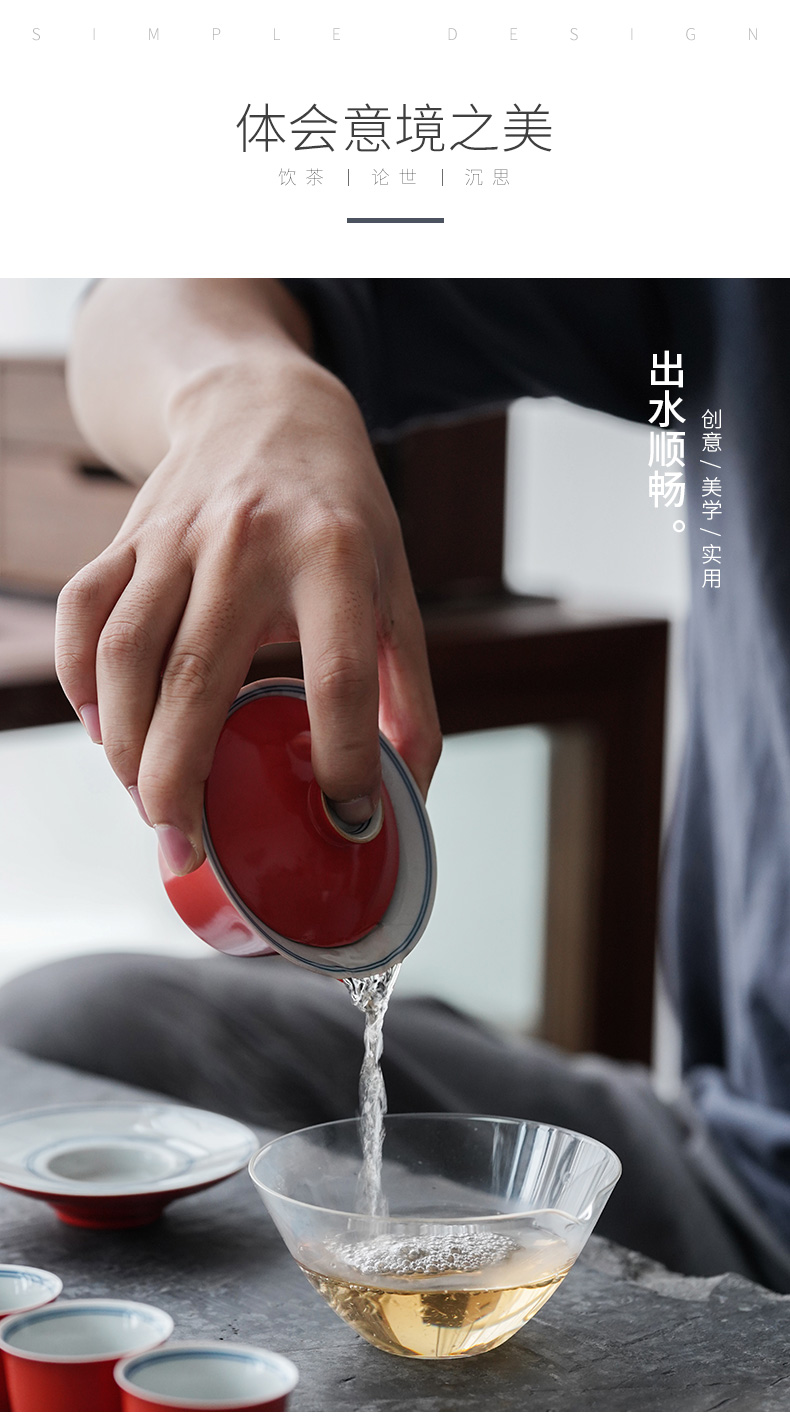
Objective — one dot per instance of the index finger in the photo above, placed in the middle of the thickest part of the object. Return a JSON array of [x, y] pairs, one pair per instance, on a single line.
[[205, 668]]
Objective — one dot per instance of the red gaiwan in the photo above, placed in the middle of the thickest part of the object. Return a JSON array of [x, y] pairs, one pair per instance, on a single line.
[[282, 871]]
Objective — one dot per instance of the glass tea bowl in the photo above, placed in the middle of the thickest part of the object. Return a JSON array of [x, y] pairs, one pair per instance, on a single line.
[[484, 1218]]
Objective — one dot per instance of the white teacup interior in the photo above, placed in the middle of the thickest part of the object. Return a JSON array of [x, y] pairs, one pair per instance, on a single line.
[[22, 1287], [89, 1330], [210, 1376]]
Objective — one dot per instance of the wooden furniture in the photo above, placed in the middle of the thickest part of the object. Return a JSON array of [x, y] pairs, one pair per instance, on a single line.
[[58, 506], [596, 680]]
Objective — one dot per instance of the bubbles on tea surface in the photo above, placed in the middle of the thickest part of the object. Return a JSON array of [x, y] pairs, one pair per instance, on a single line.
[[427, 1256]]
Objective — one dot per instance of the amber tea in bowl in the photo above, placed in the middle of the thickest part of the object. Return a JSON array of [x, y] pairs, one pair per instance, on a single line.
[[485, 1217]]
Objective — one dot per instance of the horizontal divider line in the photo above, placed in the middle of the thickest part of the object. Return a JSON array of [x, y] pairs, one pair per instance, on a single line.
[[394, 219]]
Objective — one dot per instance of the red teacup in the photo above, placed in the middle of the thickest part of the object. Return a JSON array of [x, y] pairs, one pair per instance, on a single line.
[[63, 1356], [23, 1289], [206, 1375]]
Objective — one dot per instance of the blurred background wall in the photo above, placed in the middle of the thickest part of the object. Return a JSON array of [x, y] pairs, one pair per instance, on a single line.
[[77, 867]]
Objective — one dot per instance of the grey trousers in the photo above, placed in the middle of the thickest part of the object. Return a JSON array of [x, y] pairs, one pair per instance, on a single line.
[[278, 1046]]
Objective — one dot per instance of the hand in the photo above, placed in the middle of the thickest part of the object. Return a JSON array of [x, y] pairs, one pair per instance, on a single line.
[[267, 521]]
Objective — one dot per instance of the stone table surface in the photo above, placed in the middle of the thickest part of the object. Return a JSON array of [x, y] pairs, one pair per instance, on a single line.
[[620, 1334]]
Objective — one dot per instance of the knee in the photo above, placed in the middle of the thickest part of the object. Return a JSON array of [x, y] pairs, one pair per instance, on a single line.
[[69, 1011]]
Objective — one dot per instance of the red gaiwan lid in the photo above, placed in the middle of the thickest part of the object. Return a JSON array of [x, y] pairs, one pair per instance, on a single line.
[[282, 852]]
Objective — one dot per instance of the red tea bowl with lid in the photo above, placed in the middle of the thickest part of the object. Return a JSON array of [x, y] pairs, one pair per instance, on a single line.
[[282, 872]]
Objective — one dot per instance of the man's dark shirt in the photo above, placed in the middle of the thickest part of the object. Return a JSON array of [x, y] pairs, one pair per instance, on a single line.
[[410, 350]]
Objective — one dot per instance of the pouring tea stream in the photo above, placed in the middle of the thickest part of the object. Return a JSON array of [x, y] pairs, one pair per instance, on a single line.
[[283, 873]]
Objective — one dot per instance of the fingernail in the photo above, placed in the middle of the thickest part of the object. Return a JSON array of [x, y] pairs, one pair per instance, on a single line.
[[138, 803], [355, 811], [89, 715], [177, 849]]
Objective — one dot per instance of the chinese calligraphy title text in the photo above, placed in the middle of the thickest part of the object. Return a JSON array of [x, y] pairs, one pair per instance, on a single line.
[[368, 128], [667, 441]]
